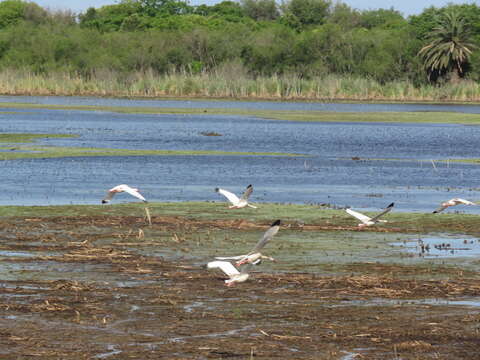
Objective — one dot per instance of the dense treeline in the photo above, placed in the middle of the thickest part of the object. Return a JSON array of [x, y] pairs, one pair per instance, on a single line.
[[302, 40]]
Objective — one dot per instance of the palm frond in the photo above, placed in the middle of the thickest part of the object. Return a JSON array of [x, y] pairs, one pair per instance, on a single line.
[[449, 47]]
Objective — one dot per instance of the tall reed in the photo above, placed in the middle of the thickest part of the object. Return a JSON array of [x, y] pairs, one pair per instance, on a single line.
[[229, 84]]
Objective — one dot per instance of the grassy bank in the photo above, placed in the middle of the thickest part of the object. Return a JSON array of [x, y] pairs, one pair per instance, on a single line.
[[29, 138], [44, 152], [12, 150], [211, 85], [288, 115], [308, 217]]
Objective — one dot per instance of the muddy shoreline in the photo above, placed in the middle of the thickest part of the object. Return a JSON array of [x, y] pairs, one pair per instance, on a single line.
[[78, 287]]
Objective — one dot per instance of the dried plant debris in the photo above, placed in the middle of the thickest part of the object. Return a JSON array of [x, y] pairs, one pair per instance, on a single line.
[[116, 287]]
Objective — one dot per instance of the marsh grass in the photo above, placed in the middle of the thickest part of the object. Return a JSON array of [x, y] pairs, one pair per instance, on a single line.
[[29, 138], [429, 162], [288, 115], [266, 213], [218, 84], [36, 151], [43, 152]]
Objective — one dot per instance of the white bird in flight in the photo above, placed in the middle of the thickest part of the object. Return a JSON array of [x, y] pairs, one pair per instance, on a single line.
[[453, 202], [233, 273], [122, 188], [237, 203], [255, 256], [368, 221]]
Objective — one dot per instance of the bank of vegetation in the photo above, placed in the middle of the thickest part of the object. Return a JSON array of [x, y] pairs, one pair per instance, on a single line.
[[301, 49]]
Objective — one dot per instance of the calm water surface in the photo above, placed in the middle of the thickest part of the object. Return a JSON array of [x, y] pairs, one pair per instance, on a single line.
[[258, 105], [344, 164]]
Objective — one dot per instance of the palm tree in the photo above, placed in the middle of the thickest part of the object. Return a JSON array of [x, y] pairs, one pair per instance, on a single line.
[[449, 47]]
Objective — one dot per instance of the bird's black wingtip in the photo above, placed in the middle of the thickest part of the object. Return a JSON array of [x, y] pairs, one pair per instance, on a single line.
[[145, 201], [276, 223], [391, 205], [249, 186], [434, 212], [217, 189], [104, 201]]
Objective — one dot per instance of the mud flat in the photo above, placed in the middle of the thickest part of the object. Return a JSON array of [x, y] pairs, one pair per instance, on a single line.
[[101, 283]]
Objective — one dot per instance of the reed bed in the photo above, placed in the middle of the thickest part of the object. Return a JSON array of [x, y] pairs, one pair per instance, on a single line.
[[221, 84]]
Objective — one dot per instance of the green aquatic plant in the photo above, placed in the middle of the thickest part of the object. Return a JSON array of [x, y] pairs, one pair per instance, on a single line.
[[293, 216], [28, 138], [43, 152], [289, 115]]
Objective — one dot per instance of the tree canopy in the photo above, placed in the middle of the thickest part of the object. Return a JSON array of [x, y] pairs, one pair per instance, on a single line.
[[450, 47], [300, 37]]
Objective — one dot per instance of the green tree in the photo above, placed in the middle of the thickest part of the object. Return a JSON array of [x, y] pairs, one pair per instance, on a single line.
[[11, 12], [343, 15], [301, 13], [449, 49], [36, 14], [109, 17], [384, 18], [260, 10], [165, 7], [424, 23], [269, 51]]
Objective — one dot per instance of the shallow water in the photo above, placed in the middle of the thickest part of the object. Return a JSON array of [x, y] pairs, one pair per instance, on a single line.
[[471, 302], [329, 173], [446, 246], [322, 252], [225, 104]]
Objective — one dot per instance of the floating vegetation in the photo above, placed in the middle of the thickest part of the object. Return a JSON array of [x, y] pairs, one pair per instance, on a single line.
[[43, 152], [210, 133], [288, 115], [29, 138]]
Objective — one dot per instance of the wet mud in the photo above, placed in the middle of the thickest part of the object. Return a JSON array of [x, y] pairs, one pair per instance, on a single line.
[[81, 288]]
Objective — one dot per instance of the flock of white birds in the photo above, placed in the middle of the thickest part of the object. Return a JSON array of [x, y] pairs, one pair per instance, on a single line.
[[239, 272]]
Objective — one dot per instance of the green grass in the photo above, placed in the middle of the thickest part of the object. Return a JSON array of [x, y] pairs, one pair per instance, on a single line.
[[265, 214], [468, 161], [43, 152], [431, 162], [29, 138], [221, 84], [37, 151], [304, 116], [335, 247]]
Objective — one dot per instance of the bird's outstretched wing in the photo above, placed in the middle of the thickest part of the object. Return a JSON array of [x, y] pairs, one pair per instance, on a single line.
[[441, 208], [108, 197], [230, 196], [363, 218], [247, 192], [230, 257], [464, 202], [134, 192], [225, 266], [387, 209], [267, 236]]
